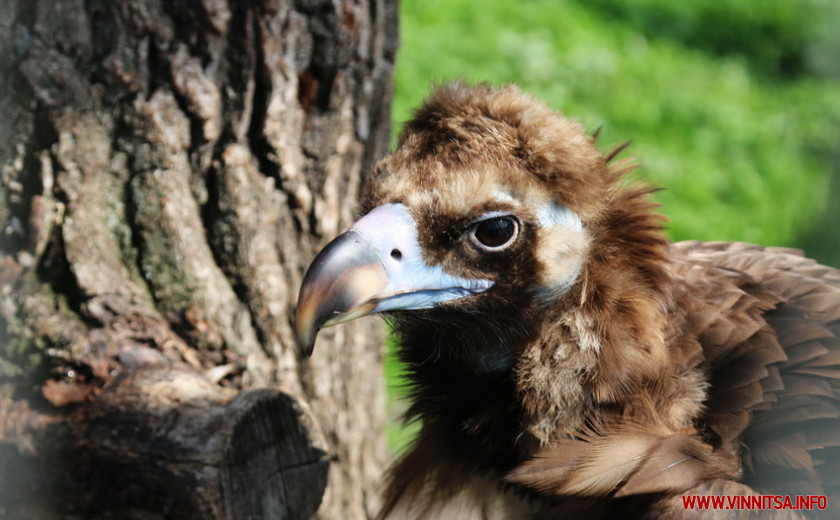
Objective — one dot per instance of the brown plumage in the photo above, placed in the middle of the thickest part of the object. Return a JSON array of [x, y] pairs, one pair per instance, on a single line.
[[588, 366]]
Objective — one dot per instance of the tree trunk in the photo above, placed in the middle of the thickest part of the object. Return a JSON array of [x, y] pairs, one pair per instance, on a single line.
[[169, 167]]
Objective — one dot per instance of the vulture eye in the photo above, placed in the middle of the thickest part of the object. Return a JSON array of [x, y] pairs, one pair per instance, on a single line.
[[494, 234]]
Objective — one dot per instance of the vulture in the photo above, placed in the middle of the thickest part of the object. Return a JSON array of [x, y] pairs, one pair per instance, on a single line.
[[566, 359]]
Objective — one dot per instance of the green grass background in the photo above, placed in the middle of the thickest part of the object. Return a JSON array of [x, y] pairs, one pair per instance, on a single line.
[[732, 106]]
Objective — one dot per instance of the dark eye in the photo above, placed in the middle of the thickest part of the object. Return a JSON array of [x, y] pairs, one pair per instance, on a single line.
[[494, 234]]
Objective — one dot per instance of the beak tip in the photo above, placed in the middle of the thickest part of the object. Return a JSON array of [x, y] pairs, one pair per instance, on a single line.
[[306, 339], [308, 343], [305, 331]]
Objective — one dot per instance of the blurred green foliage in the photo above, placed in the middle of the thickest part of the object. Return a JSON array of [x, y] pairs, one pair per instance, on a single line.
[[780, 38], [733, 106]]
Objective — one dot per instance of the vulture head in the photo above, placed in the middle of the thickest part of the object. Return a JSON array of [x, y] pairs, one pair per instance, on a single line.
[[558, 345], [487, 202]]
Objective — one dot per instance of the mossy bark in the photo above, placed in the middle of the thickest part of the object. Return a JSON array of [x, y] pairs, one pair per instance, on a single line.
[[168, 169]]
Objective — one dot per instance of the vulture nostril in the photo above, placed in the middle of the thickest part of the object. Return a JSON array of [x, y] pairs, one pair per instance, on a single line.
[[396, 254]]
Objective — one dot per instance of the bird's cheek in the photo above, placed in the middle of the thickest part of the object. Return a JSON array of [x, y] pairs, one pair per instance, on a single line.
[[561, 253]]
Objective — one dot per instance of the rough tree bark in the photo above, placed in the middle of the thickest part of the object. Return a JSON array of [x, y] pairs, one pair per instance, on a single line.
[[168, 169]]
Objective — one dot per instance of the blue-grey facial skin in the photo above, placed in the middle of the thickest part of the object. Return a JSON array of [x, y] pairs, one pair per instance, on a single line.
[[376, 266]]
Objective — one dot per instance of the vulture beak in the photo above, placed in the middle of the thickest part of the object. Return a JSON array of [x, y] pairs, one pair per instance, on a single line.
[[376, 266]]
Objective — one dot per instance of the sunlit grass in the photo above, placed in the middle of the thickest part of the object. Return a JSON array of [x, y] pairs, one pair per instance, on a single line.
[[398, 435]]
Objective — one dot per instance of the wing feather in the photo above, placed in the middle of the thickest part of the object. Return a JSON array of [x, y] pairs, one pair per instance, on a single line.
[[790, 439]]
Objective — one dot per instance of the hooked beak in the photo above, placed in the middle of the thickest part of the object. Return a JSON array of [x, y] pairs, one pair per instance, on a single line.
[[376, 266]]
